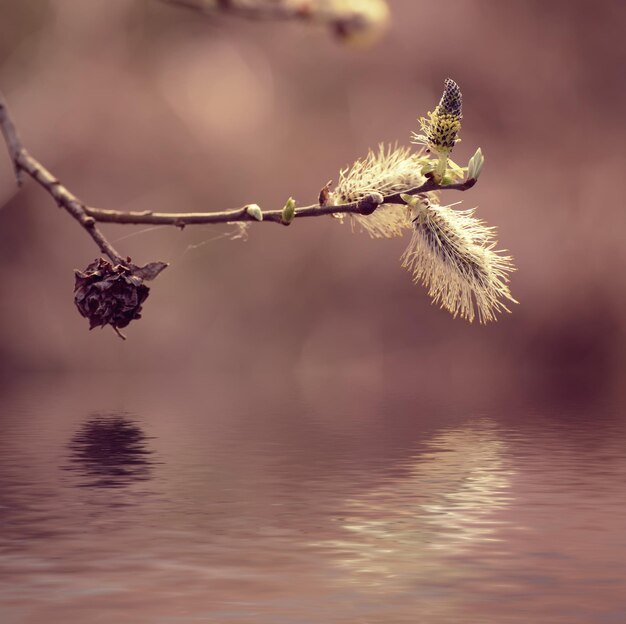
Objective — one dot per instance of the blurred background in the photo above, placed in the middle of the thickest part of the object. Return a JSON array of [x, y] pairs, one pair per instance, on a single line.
[[138, 105]]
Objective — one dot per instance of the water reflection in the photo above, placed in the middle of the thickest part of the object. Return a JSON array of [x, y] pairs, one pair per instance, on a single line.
[[110, 451], [263, 508], [434, 507]]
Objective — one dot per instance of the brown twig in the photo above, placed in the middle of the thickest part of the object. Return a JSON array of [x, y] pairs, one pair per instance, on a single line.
[[343, 21], [24, 162], [181, 219], [11, 138]]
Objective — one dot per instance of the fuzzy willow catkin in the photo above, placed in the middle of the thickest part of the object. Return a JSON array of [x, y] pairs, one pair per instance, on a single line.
[[452, 254], [387, 171]]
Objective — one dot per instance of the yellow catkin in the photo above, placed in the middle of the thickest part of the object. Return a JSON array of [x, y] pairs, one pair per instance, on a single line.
[[440, 128]]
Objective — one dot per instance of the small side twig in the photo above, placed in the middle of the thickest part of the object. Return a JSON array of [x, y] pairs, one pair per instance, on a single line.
[[11, 138]]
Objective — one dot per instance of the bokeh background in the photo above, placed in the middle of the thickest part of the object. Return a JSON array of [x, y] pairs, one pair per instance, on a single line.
[[137, 105]]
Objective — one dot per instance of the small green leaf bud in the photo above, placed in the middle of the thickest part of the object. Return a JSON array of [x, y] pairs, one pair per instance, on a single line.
[[254, 211], [427, 168], [289, 211], [410, 200], [475, 165]]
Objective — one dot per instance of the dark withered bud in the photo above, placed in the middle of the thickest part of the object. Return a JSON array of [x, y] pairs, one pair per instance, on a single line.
[[113, 295], [324, 195]]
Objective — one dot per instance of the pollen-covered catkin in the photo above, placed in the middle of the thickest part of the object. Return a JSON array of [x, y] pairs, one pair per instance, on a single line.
[[441, 127]]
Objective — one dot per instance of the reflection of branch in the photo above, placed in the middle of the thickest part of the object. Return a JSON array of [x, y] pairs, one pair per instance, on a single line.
[[344, 18], [24, 162]]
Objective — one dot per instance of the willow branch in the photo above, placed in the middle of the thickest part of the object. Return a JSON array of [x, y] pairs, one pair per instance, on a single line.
[[87, 216], [365, 206], [23, 162]]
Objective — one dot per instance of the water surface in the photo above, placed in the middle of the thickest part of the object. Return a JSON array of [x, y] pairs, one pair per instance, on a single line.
[[137, 502]]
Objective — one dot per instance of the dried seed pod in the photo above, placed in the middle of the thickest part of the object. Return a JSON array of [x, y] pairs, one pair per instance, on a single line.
[[110, 295]]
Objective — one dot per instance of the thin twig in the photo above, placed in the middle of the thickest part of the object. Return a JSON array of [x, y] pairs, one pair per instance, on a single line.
[[181, 219], [248, 10], [11, 137], [24, 162], [343, 20]]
